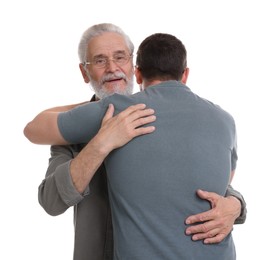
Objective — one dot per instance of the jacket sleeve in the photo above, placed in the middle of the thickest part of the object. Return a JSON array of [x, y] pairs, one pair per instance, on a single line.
[[232, 192], [57, 193]]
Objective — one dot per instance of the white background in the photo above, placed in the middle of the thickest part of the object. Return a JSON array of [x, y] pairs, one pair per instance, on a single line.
[[232, 56]]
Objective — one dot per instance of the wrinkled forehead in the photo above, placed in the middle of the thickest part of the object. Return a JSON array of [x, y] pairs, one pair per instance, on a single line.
[[107, 44]]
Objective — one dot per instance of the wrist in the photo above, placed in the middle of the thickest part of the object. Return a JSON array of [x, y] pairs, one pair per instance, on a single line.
[[236, 205], [99, 146]]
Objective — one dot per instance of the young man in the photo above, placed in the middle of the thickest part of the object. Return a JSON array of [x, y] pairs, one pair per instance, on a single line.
[[70, 182]]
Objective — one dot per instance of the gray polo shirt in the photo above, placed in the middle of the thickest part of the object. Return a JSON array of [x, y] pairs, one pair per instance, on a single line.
[[153, 179]]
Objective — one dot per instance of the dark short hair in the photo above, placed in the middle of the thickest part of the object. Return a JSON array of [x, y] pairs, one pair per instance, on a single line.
[[161, 56]]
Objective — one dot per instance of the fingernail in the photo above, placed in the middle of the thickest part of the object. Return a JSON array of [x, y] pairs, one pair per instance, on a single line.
[[194, 238]]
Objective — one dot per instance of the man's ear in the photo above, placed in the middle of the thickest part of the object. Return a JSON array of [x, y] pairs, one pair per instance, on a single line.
[[84, 73], [185, 75], [138, 76]]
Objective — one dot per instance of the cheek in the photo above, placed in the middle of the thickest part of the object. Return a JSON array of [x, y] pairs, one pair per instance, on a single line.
[[96, 75], [129, 72]]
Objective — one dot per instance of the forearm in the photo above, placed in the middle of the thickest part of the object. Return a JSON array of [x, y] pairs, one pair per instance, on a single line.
[[43, 129], [84, 166], [64, 108]]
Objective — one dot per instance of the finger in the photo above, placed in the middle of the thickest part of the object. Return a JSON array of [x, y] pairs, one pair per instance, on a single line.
[[214, 240], [206, 195], [139, 114], [143, 121], [109, 113], [201, 228], [208, 234], [201, 217], [144, 130], [132, 109]]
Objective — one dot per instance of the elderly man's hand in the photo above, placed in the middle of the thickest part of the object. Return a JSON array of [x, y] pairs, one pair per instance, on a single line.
[[118, 130], [216, 223]]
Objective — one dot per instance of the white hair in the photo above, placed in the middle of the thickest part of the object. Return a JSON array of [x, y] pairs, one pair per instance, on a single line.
[[97, 30]]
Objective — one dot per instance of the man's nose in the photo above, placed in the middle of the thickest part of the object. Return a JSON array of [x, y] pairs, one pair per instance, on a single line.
[[111, 65]]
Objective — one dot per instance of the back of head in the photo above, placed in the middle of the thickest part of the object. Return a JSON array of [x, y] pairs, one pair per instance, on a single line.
[[161, 57], [97, 30]]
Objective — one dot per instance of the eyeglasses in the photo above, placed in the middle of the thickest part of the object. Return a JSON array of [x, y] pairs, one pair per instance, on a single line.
[[119, 59]]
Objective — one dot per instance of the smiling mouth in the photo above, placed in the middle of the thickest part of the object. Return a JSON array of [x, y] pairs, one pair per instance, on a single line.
[[111, 80]]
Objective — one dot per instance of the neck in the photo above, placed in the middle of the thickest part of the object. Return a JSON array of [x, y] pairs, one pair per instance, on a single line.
[[147, 83]]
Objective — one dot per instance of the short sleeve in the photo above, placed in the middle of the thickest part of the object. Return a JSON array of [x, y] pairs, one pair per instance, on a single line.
[[82, 123]]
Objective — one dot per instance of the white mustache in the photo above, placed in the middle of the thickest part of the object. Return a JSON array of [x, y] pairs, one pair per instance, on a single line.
[[112, 76]]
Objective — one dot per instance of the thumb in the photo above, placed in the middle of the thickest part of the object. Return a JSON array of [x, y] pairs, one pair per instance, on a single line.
[[209, 196]]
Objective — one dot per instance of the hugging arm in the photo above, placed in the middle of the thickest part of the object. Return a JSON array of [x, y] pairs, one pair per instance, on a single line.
[[215, 224], [43, 129], [70, 171]]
